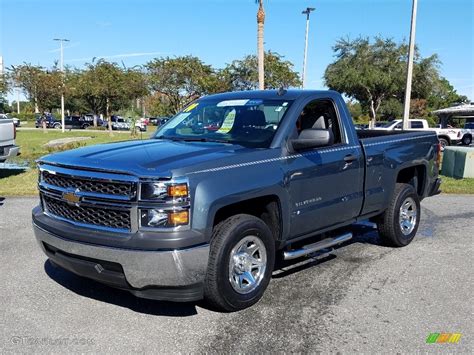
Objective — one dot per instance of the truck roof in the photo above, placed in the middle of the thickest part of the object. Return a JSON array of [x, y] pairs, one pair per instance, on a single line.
[[268, 94]]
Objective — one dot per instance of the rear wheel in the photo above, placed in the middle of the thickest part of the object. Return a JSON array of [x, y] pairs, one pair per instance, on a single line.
[[399, 223], [241, 262], [443, 142], [57, 126], [466, 140]]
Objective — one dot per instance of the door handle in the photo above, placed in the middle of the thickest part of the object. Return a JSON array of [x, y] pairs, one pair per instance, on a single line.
[[350, 158]]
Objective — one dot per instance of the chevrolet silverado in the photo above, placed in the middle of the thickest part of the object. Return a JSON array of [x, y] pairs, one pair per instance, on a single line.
[[196, 213]]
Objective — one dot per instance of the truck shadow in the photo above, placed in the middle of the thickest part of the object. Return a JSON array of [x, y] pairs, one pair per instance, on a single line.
[[97, 291], [365, 233], [362, 233]]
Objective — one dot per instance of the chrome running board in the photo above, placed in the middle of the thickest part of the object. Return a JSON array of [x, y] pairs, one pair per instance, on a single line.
[[311, 248]]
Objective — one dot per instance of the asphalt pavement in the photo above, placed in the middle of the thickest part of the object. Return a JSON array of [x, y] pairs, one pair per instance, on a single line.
[[363, 297]]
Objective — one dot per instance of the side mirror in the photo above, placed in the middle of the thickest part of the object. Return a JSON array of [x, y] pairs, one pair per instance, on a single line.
[[312, 138]]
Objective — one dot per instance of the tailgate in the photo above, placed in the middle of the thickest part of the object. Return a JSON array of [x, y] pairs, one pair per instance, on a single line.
[[7, 134]]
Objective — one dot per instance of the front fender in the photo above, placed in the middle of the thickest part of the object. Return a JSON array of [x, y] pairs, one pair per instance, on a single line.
[[216, 190]]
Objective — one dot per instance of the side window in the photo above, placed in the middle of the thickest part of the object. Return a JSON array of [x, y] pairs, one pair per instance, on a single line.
[[416, 124], [398, 126], [320, 114]]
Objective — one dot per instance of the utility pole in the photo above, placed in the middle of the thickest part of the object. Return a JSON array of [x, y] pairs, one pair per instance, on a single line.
[[61, 41], [260, 43], [17, 100], [411, 53], [306, 12]]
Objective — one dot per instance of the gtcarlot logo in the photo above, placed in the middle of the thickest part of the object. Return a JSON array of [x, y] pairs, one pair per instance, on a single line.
[[452, 338], [26, 340]]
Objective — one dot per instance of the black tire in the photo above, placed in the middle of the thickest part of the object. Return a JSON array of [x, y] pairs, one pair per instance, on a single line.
[[57, 126], [389, 225], [444, 143], [466, 140], [218, 290]]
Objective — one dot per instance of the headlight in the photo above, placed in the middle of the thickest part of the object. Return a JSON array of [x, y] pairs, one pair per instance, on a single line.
[[163, 191], [155, 218]]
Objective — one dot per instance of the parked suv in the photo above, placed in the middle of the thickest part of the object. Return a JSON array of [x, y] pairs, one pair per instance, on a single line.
[[51, 122]]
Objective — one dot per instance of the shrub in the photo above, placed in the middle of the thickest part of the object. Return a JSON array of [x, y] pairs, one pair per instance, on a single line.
[[66, 146]]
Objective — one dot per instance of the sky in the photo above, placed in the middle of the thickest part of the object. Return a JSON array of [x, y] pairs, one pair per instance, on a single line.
[[219, 31]]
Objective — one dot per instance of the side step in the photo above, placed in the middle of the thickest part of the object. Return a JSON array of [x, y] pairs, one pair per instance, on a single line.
[[311, 248]]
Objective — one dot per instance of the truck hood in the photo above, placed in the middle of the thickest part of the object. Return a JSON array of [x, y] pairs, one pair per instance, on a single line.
[[147, 158]]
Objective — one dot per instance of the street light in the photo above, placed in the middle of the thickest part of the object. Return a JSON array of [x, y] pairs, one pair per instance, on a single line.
[[411, 52], [61, 41], [306, 12]]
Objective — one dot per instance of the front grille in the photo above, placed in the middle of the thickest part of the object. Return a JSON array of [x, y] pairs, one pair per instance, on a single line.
[[88, 185], [88, 215]]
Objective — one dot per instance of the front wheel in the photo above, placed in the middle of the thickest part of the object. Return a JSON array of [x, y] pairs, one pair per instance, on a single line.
[[398, 224], [241, 260]]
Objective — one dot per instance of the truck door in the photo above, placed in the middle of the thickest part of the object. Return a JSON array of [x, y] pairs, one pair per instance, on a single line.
[[325, 183]]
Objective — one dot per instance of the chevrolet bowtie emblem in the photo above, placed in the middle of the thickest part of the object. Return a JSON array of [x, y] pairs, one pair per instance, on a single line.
[[71, 197]]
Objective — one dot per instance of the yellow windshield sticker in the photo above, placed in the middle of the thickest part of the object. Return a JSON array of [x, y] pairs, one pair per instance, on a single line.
[[228, 122], [191, 107]]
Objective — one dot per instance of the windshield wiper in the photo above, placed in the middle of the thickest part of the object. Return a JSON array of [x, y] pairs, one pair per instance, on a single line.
[[204, 139], [194, 139]]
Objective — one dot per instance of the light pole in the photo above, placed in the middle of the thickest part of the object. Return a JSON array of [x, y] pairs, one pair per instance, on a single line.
[[306, 12], [17, 89], [61, 41], [411, 53]]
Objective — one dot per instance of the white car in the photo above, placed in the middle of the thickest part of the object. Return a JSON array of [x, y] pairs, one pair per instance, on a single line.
[[446, 136], [16, 121], [397, 125], [141, 124]]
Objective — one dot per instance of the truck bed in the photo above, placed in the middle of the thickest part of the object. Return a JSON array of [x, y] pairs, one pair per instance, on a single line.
[[371, 133], [387, 152]]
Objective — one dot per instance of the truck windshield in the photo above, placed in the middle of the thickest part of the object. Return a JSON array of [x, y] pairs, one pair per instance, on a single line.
[[248, 122]]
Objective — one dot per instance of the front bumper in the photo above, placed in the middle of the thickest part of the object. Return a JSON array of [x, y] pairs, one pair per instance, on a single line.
[[175, 275]]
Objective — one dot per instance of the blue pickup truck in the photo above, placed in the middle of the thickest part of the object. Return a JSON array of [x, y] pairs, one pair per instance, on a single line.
[[232, 183]]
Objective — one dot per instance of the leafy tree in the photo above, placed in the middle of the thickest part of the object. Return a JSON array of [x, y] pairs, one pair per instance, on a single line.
[[355, 109], [391, 109], [443, 95], [374, 72], [102, 87], [3, 92], [243, 74], [158, 106], [181, 80], [42, 86]]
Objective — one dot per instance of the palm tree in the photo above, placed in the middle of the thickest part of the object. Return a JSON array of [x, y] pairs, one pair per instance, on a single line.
[[260, 50]]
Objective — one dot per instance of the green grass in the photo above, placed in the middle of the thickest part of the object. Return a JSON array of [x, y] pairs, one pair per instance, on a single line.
[[23, 184], [457, 186]]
